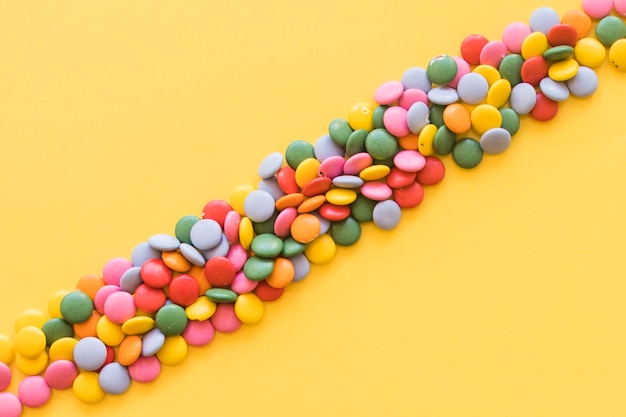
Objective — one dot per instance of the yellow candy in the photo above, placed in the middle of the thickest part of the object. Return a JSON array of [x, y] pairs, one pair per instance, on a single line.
[[321, 250], [246, 232], [499, 93], [30, 317], [361, 116], [7, 351], [617, 55], [54, 304], [535, 44], [87, 388], [110, 333], [307, 171], [374, 172], [173, 351], [138, 325], [485, 117], [249, 308], [32, 366], [30, 341], [340, 196], [238, 196], [490, 73], [563, 70], [62, 348], [201, 309], [589, 52], [426, 139]]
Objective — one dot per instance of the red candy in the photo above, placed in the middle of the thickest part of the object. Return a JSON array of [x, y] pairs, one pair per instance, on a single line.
[[534, 70], [398, 178], [317, 186], [266, 292], [333, 212], [149, 299], [286, 178], [432, 173], [471, 47], [410, 196], [155, 273], [219, 271], [562, 34], [183, 290], [545, 109], [216, 210]]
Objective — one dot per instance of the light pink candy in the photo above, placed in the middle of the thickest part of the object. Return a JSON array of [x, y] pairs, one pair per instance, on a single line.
[[34, 391], [5, 376], [237, 255], [60, 374], [242, 285], [224, 319], [357, 163], [376, 190], [332, 167], [145, 369], [10, 405], [597, 9], [282, 225], [412, 96], [462, 68], [514, 35], [409, 161], [231, 226], [101, 296], [119, 307], [394, 120], [388, 92], [493, 53], [199, 333], [114, 269], [620, 7]]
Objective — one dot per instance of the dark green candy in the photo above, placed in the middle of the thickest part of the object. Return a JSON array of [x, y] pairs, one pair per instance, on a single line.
[[171, 319], [510, 120], [444, 140], [267, 245], [356, 142], [609, 29], [221, 295], [55, 329], [265, 227], [340, 131], [467, 153], [559, 53], [257, 268], [345, 232], [441, 69], [183, 228], [362, 209], [297, 152], [381, 144], [436, 114], [76, 307], [377, 116], [511, 68]]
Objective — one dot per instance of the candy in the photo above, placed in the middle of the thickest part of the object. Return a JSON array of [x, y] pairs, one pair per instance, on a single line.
[[249, 308], [467, 153], [146, 369], [183, 226], [584, 83], [114, 379], [87, 388], [10, 405], [323, 149], [90, 353], [589, 52], [495, 141], [514, 35], [128, 351], [33, 391], [360, 117], [60, 374], [471, 48], [113, 270], [386, 215], [5, 376], [30, 342], [543, 19], [440, 70], [597, 9], [617, 55], [171, 319], [472, 88], [163, 242], [198, 333], [609, 29]]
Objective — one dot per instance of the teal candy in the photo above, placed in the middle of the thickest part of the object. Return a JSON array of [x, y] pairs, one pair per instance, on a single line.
[[171, 319], [467, 153], [267, 245]]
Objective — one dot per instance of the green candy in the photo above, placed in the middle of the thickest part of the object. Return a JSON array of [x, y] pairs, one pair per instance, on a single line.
[[297, 152], [362, 209], [559, 53], [510, 120], [444, 140], [441, 69], [171, 319], [467, 153], [377, 117], [267, 245], [511, 68], [76, 307], [257, 268], [292, 247], [340, 131], [345, 232], [183, 227], [55, 329], [381, 144], [265, 227], [436, 114], [356, 142], [221, 295], [609, 29]]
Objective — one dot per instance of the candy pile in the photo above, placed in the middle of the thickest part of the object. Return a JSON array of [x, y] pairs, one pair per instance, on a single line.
[[215, 271]]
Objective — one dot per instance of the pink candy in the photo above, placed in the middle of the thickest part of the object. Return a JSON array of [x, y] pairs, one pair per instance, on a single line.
[[597, 9], [199, 333], [332, 167], [389, 92], [394, 120], [493, 53], [514, 35], [10, 405], [5, 376], [145, 369], [357, 163], [34, 391], [119, 307], [60, 374], [225, 320], [412, 96], [114, 269]]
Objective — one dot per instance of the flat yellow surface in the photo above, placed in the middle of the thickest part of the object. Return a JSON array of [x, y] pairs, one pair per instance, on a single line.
[[501, 295]]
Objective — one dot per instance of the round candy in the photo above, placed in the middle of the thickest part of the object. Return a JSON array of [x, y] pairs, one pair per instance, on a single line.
[[216, 210], [183, 290], [511, 68], [493, 53], [154, 273], [34, 391], [30, 341], [114, 379], [360, 117], [175, 261], [395, 121], [462, 68], [579, 20], [152, 342], [321, 250], [584, 83], [443, 95], [441, 70], [545, 109], [297, 152], [485, 117], [171, 319], [609, 29], [145, 369], [259, 206], [5, 376], [387, 215], [457, 118], [183, 228], [416, 77], [412, 96], [131, 279], [87, 388], [432, 173], [30, 317], [90, 353], [472, 88], [199, 333], [340, 131], [563, 70], [32, 366], [55, 329], [10, 405], [345, 232], [589, 52], [444, 140], [301, 266], [249, 308], [54, 304], [113, 270], [617, 55], [61, 374], [380, 144], [467, 153], [270, 165], [543, 18], [554, 90], [219, 271], [514, 35], [562, 34], [192, 254], [620, 7], [305, 228], [206, 234], [597, 9], [225, 320], [534, 70], [149, 299], [143, 252], [110, 333], [495, 141], [510, 120], [499, 93], [471, 48], [162, 242], [119, 307], [417, 117], [388, 92], [523, 98], [535, 44]]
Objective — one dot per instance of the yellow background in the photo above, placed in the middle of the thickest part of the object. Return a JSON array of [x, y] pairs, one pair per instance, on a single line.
[[501, 295]]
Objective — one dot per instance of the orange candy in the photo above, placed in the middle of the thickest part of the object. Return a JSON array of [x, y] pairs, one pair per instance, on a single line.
[[579, 20], [88, 328], [175, 261], [409, 141], [289, 200], [457, 118], [305, 228], [283, 273], [90, 284], [129, 350], [311, 204]]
